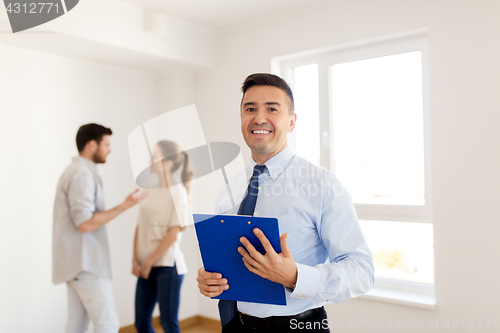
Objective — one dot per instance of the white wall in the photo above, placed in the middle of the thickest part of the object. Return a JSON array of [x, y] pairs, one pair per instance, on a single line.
[[43, 101], [175, 89], [114, 33], [464, 85]]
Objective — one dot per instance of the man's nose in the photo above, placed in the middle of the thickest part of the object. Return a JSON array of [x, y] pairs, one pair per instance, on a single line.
[[260, 117]]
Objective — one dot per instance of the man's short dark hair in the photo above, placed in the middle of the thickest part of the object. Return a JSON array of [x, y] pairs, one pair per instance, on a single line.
[[266, 79], [89, 132]]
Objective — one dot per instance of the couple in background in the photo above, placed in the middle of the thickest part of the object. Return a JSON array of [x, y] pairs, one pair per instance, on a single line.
[[80, 243]]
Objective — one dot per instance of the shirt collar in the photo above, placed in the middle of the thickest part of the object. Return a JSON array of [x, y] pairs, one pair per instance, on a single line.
[[91, 165], [276, 164]]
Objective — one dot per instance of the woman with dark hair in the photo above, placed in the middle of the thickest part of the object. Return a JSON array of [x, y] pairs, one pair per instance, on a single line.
[[157, 261]]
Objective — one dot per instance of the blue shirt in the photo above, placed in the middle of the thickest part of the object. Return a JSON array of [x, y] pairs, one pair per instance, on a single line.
[[333, 260]]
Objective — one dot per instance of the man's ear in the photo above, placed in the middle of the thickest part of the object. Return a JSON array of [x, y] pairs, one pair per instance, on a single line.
[[293, 119], [92, 146]]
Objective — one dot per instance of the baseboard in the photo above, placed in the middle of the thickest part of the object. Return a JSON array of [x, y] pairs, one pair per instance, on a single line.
[[185, 323]]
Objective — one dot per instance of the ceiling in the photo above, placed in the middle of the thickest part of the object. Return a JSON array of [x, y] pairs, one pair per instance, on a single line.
[[220, 15]]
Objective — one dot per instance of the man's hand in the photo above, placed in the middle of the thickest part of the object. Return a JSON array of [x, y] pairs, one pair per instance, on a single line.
[[277, 267], [133, 199], [145, 270], [135, 268], [211, 284]]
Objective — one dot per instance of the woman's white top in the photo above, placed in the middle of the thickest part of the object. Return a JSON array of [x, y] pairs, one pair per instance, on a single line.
[[159, 211]]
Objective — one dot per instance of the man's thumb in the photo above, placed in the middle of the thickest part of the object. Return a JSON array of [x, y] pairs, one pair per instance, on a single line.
[[284, 246]]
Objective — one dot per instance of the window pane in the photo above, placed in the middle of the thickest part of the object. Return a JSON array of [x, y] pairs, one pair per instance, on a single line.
[[306, 102], [401, 250], [377, 122]]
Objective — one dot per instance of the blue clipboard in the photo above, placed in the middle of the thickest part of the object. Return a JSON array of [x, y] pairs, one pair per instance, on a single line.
[[219, 239]]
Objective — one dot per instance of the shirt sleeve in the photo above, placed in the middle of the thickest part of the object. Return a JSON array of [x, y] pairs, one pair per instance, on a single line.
[[174, 220], [179, 214], [349, 272], [81, 197]]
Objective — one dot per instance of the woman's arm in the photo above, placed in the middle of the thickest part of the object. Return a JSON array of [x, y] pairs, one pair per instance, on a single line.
[[135, 263], [160, 250]]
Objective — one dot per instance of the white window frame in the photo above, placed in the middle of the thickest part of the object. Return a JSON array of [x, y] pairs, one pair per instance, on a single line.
[[394, 291]]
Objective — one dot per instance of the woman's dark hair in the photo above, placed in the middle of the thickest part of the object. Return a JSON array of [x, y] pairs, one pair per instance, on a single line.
[[89, 132], [172, 152], [266, 79]]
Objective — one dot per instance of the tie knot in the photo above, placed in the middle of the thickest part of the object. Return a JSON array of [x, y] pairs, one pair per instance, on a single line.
[[258, 169]]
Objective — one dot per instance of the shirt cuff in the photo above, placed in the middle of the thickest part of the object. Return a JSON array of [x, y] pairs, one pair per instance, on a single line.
[[81, 217], [308, 282]]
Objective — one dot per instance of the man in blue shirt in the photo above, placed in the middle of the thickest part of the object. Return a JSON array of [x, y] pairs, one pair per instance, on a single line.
[[324, 257]]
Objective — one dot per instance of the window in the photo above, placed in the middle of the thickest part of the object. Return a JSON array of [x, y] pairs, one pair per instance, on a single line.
[[306, 100], [362, 113]]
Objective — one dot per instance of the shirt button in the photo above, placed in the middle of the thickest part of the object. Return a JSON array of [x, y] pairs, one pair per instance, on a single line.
[[260, 188], [255, 213], [300, 295], [274, 176], [249, 177]]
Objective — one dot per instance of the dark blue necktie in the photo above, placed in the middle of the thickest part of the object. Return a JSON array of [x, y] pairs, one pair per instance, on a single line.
[[227, 309]]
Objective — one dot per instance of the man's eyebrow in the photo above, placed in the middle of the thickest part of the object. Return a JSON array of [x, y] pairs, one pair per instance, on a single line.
[[267, 103]]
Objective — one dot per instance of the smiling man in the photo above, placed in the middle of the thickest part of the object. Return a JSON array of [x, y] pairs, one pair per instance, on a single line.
[[265, 133], [324, 257]]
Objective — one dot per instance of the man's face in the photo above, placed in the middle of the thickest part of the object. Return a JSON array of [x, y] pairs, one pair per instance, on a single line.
[[102, 150], [266, 120]]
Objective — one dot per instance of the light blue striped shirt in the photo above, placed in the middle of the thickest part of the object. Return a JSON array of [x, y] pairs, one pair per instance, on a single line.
[[333, 260]]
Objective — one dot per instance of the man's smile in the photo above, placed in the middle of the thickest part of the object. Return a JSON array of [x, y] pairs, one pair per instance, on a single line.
[[261, 132]]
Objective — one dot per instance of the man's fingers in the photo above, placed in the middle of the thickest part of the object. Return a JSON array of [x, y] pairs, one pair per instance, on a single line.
[[208, 288], [210, 279], [284, 247], [249, 247], [263, 239], [210, 276], [251, 268], [248, 258], [212, 294], [211, 287], [218, 282], [211, 282]]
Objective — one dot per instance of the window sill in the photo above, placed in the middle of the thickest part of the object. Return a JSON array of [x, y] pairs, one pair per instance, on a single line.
[[401, 298]]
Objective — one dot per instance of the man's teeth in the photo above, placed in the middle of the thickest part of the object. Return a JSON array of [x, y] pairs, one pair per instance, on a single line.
[[261, 132]]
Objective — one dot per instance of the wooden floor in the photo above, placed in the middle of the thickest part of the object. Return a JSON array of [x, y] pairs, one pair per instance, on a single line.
[[194, 329], [198, 328], [204, 325], [195, 324]]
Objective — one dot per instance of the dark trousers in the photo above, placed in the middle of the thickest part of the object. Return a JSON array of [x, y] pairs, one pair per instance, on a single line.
[[164, 286], [316, 323]]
